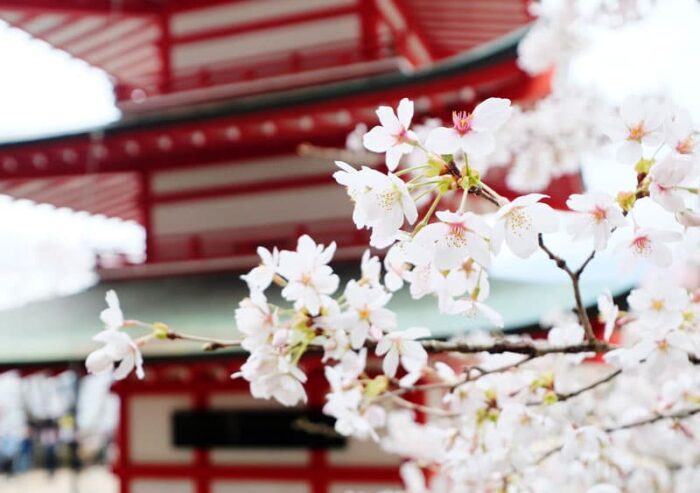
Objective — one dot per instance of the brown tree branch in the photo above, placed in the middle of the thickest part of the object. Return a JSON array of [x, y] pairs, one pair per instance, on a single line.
[[569, 395], [678, 415], [527, 348], [574, 276]]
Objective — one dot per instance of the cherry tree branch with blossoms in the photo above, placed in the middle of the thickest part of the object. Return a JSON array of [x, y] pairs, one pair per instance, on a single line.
[[533, 414]]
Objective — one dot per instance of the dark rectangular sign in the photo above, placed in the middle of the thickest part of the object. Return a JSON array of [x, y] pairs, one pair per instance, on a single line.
[[254, 429]]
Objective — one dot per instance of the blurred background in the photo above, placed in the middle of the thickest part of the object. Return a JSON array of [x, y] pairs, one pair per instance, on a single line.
[[149, 146]]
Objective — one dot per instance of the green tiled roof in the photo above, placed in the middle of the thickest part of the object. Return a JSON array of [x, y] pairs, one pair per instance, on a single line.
[[61, 329]]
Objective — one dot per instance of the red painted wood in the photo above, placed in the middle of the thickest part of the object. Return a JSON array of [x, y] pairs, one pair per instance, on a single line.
[[414, 27], [369, 474], [270, 23], [83, 7], [88, 53], [123, 464], [105, 23], [165, 51], [245, 188], [202, 378], [146, 206], [503, 78]]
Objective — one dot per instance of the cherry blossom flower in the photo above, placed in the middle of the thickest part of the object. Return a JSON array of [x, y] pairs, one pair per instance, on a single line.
[[604, 488], [402, 346], [366, 311], [456, 237], [118, 347], [371, 269], [396, 267], [273, 376], [112, 316], [608, 312], [553, 39], [598, 216], [521, 221], [650, 244], [403, 432], [353, 141], [381, 202], [472, 308], [566, 335], [659, 354], [413, 478], [352, 364], [688, 218], [681, 136], [667, 177], [659, 305], [583, 443], [255, 321], [357, 184], [309, 278], [390, 201], [472, 133], [423, 280], [393, 135], [640, 124], [345, 404], [260, 277], [472, 276]]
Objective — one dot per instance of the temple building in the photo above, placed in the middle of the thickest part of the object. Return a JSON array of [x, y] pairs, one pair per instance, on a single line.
[[232, 112]]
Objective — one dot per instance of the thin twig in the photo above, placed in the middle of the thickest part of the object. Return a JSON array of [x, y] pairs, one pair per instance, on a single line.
[[686, 413], [678, 415], [414, 406], [210, 343], [527, 348], [580, 270], [569, 395], [453, 385], [597, 383], [574, 276]]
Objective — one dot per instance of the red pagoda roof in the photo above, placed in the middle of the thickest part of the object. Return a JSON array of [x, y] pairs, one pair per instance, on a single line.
[[192, 157], [156, 47]]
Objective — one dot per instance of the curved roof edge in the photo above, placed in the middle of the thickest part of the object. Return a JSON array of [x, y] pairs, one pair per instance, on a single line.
[[503, 48]]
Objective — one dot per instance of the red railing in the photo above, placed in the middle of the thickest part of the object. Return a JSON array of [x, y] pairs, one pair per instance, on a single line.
[[244, 241], [282, 63]]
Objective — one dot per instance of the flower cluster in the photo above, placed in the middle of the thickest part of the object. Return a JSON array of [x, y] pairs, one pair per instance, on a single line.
[[341, 327], [567, 412]]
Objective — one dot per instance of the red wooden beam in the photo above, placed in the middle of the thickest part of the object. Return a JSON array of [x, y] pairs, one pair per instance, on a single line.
[[65, 22], [146, 205], [65, 43], [82, 6], [414, 27], [165, 51], [144, 54], [124, 38], [22, 22], [369, 26], [369, 474], [270, 23], [243, 188]]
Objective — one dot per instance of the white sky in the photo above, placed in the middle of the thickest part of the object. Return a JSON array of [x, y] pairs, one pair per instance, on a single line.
[[45, 91], [658, 54], [655, 56]]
